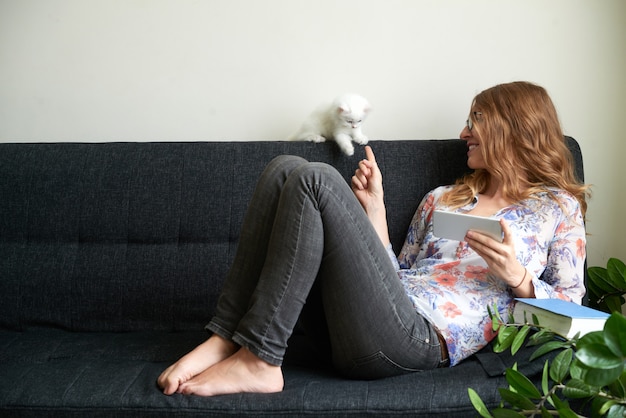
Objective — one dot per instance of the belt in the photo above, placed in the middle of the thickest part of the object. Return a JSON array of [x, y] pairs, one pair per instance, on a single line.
[[445, 360]]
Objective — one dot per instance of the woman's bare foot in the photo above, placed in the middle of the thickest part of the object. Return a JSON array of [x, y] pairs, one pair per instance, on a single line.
[[210, 352], [241, 372]]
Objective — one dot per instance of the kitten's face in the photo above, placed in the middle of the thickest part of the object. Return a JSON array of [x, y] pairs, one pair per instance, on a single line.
[[351, 119]]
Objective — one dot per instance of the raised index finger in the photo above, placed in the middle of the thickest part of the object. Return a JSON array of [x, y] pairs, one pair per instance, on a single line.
[[369, 154]]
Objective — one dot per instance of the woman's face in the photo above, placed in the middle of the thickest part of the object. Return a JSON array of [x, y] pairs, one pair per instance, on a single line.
[[471, 135]]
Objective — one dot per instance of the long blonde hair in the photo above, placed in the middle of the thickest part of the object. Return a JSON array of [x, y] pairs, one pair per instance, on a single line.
[[522, 145]]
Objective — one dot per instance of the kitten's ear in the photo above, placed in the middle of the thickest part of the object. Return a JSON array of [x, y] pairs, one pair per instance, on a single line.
[[342, 108], [367, 108]]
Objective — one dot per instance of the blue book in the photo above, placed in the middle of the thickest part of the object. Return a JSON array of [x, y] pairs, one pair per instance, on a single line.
[[562, 317]]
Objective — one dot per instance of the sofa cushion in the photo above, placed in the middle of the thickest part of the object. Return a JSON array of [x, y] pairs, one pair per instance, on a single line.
[[66, 373]]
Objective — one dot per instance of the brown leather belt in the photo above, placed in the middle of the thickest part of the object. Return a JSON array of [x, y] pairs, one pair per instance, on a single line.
[[445, 360]]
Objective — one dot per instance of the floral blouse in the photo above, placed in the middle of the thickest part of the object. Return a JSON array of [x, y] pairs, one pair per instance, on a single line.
[[451, 286]]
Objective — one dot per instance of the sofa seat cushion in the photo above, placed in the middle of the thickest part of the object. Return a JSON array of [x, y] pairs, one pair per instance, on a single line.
[[114, 374]]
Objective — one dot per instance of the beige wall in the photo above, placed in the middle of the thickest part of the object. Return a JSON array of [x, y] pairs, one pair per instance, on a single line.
[[179, 70]]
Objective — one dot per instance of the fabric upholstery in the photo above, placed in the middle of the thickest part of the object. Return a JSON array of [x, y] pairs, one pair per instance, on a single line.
[[112, 257]]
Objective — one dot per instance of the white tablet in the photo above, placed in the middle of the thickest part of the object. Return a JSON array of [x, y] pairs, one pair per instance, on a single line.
[[454, 226]]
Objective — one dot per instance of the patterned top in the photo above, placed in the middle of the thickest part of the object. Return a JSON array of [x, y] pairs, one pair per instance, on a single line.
[[451, 286]]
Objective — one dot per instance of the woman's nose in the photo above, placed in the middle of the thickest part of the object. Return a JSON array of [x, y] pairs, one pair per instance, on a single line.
[[465, 133]]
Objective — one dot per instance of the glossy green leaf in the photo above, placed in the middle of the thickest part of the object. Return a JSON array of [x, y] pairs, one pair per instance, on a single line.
[[595, 337], [598, 356], [594, 405], [618, 265], [578, 370], [615, 334], [559, 369], [495, 325], [605, 407], [596, 377], [578, 389], [519, 339], [478, 404], [559, 403], [616, 411], [505, 339], [593, 289], [516, 399], [614, 303], [547, 347], [618, 387], [545, 381], [535, 319], [496, 321], [600, 276], [521, 384], [602, 377], [616, 272], [541, 337]]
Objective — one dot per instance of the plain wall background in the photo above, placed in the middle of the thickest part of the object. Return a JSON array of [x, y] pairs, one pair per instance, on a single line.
[[184, 70]]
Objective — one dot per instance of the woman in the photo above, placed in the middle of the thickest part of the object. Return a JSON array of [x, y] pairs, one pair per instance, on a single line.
[[385, 315]]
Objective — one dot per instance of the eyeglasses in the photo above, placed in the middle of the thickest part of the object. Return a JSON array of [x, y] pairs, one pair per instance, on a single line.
[[470, 123]]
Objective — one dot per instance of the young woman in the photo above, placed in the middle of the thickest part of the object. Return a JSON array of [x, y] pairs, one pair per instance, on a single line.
[[427, 308]]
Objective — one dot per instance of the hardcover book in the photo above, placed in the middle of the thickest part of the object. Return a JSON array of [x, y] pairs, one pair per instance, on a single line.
[[562, 317]]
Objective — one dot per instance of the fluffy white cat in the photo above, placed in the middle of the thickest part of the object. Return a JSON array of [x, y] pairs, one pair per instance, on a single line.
[[340, 121]]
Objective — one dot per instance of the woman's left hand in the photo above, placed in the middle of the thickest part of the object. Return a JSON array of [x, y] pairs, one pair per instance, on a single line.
[[500, 257]]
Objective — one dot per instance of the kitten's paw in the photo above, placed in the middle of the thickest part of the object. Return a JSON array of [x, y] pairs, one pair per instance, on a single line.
[[344, 142], [315, 138], [347, 149], [360, 139]]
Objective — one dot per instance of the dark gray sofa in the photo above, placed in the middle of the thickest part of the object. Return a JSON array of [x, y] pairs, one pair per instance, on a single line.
[[112, 256]]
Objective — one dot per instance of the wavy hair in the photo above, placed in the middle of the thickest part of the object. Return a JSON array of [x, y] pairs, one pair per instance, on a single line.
[[522, 145]]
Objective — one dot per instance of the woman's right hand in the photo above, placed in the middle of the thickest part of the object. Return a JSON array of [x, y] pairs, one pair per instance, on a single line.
[[367, 182], [367, 185]]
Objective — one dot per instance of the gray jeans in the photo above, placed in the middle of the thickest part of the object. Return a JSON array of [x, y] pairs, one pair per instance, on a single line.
[[304, 226]]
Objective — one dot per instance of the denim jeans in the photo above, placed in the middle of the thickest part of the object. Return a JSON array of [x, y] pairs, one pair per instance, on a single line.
[[304, 226]]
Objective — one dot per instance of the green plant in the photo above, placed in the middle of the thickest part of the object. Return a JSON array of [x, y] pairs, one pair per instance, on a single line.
[[607, 286], [589, 371]]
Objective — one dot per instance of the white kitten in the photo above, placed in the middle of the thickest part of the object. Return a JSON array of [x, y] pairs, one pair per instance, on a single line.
[[340, 121]]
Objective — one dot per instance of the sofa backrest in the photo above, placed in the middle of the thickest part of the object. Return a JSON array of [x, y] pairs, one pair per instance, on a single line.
[[139, 236]]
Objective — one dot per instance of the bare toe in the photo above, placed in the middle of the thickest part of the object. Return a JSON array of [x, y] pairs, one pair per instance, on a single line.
[[207, 354], [241, 372]]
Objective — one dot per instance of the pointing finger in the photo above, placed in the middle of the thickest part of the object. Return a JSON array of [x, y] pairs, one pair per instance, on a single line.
[[370, 154]]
